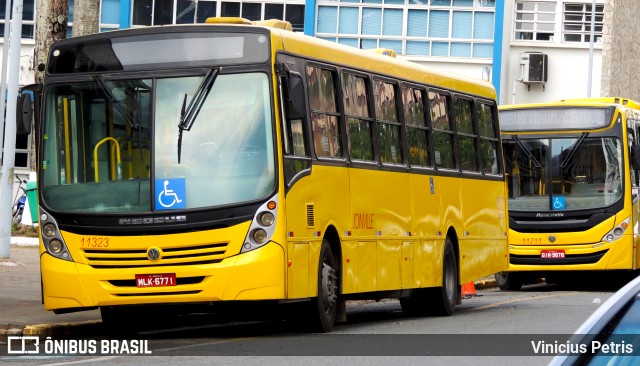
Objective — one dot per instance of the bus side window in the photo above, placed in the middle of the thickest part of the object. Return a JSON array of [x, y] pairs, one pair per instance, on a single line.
[[442, 131], [358, 117], [296, 159], [325, 121]]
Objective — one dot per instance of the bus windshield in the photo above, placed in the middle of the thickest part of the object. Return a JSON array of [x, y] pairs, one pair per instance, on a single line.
[[568, 173], [112, 145]]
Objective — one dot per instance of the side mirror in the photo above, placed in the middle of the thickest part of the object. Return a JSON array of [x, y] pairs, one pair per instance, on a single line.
[[24, 114], [635, 156], [294, 105]]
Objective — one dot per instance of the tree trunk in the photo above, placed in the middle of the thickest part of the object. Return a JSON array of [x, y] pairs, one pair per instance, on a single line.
[[51, 25], [86, 17]]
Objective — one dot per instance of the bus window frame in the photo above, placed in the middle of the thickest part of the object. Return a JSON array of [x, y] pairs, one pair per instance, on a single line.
[[398, 104], [339, 113], [449, 94], [497, 137], [371, 119], [475, 134], [427, 127]]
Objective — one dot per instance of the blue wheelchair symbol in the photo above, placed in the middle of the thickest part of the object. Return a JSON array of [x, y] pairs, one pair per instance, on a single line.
[[558, 203], [170, 194]]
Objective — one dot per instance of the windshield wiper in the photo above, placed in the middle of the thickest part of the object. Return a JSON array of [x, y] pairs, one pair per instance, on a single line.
[[188, 114], [116, 103], [573, 150], [526, 150]]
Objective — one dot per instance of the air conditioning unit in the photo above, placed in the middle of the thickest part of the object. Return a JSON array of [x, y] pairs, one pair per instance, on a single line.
[[534, 66]]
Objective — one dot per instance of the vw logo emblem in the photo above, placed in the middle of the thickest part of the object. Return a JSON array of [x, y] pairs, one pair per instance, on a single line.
[[552, 238], [153, 254]]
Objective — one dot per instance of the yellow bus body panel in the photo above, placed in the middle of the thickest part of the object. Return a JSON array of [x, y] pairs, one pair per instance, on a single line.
[[255, 275]]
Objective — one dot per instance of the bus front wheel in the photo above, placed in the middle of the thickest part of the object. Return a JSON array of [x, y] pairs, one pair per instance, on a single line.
[[509, 281], [319, 314]]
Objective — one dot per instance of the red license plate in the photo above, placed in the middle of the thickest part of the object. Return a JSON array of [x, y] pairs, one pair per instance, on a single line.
[[552, 254], [156, 280]]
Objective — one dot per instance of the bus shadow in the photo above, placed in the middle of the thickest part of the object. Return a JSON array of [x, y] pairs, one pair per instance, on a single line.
[[582, 281]]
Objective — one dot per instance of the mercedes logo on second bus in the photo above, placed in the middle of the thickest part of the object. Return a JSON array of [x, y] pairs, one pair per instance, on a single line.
[[153, 254]]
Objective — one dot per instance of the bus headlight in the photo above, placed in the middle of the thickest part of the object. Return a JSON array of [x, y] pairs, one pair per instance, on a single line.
[[617, 231], [262, 226], [52, 239], [266, 218], [259, 236], [49, 230], [55, 246]]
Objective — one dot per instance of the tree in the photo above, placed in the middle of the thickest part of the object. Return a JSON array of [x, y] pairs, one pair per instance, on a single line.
[[51, 21], [52, 17]]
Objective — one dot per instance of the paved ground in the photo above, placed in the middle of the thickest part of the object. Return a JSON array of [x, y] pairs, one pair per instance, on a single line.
[[21, 310], [20, 301]]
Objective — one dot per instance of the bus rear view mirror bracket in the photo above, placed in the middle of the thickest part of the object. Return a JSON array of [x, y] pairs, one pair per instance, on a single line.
[[294, 105], [635, 156], [24, 114], [27, 108]]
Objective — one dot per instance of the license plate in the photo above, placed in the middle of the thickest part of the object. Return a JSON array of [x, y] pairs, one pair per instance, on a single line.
[[552, 254], [156, 280]]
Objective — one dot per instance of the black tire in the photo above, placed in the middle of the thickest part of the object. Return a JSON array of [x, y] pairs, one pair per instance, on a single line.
[[509, 281], [120, 321], [322, 309], [440, 301]]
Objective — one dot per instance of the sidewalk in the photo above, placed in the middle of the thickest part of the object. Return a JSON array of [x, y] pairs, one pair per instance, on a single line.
[[21, 310]]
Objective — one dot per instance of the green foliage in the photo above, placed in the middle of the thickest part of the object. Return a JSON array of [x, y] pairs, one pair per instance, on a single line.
[[20, 230]]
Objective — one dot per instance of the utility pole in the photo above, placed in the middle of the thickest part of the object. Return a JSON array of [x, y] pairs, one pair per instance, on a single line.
[[86, 17], [9, 158]]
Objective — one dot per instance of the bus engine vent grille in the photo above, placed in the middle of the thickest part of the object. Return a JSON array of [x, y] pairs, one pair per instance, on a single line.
[[311, 216]]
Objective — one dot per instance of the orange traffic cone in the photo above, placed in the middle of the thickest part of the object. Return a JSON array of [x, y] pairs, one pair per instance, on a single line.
[[468, 290]]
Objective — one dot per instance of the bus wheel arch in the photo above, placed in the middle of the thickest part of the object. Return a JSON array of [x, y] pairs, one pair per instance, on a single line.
[[440, 300]]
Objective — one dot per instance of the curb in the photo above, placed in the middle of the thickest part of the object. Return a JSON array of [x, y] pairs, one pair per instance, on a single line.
[[24, 241], [58, 329], [485, 284]]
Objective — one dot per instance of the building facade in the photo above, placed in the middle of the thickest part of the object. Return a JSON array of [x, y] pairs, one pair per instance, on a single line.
[[531, 50]]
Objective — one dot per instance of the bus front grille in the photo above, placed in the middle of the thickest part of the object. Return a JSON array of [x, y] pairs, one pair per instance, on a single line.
[[568, 259], [139, 257]]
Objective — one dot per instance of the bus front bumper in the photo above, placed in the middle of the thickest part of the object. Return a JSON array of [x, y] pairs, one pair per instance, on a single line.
[[616, 255], [255, 275]]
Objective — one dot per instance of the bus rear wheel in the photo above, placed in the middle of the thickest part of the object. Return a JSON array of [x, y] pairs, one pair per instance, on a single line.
[[437, 300]]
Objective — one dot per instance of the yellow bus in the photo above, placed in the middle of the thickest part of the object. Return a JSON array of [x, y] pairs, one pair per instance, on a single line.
[[571, 170], [242, 163]]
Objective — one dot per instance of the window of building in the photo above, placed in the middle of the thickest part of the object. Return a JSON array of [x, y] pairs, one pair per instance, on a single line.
[[535, 20], [389, 127], [576, 25], [359, 121], [442, 131], [417, 128], [28, 16], [157, 12], [458, 28], [324, 113]]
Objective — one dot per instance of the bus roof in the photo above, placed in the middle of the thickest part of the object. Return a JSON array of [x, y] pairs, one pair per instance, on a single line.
[[578, 102], [358, 59]]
